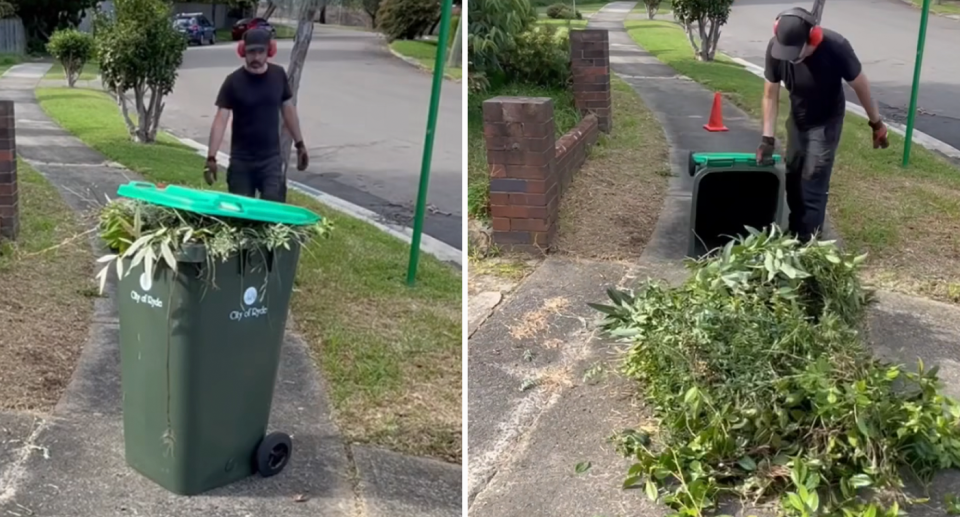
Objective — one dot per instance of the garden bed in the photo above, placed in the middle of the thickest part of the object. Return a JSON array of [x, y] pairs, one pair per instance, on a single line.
[[48, 290]]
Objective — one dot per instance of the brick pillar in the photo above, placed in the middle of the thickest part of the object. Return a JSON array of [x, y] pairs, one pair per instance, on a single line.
[[590, 63], [521, 151], [9, 206]]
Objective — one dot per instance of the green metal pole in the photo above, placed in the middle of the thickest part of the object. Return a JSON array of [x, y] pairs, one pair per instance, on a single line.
[[912, 115], [428, 141]]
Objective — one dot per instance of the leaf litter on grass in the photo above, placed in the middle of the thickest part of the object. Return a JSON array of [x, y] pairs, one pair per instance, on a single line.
[[613, 202], [46, 306]]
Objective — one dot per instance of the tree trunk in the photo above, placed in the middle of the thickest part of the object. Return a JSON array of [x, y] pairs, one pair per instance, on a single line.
[[271, 7], [456, 50], [301, 44], [652, 10]]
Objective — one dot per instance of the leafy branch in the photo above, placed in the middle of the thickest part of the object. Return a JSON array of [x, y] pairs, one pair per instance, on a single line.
[[757, 370]]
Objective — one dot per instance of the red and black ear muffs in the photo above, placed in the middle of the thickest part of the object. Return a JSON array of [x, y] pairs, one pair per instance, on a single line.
[[816, 33], [271, 50]]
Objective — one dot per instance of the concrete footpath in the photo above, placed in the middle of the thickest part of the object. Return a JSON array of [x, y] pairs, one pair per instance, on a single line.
[[544, 392], [70, 463]]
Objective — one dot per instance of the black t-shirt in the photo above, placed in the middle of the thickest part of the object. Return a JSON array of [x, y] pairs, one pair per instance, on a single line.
[[816, 83], [255, 100]]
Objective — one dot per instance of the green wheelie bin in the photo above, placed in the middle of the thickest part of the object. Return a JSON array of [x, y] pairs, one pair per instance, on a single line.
[[731, 192], [200, 349]]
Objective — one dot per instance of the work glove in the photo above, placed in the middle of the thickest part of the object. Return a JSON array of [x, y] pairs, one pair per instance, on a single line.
[[765, 151], [879, 134], [303, 159], [210, 170]]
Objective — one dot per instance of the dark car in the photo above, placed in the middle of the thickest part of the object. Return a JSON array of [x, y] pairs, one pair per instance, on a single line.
[[196, 28], [246, 24]]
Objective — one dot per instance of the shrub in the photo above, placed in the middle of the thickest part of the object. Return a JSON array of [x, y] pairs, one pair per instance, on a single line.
[[707, 16], [140, 51], [7, 9], [72, 49], [407, 19], [763, 386], [493, 26], [540, 57], [563, 12], [652, 7]]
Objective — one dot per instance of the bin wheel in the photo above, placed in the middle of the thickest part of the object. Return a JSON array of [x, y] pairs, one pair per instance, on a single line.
[[273, 454], [691, 165]]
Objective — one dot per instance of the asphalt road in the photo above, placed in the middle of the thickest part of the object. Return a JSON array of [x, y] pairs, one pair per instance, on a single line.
[[884, 36], [363, 114]]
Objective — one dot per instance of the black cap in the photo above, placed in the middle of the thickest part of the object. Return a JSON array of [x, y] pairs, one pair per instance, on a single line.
[[257, 39], [791, 36]]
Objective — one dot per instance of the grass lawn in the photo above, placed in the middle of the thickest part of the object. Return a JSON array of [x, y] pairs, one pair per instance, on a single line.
[[584, 8], [907, 219], [8, 60], [613, 203], [391, 355], [46, 278], [90, 72], [478, 177], [945, 7], [665, 7], [425, 52]]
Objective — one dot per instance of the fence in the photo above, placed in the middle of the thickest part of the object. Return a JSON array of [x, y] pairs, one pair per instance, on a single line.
[[13, 37]]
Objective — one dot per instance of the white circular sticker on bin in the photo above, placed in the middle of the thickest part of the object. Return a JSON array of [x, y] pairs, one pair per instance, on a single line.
[[145, 281], [250, 295]]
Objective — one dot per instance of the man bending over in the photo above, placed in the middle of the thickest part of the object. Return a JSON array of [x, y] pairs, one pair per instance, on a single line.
[[813, 63]]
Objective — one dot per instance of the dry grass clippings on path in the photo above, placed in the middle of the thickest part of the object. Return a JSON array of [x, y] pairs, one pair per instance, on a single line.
[[46, 278], [614, 200]]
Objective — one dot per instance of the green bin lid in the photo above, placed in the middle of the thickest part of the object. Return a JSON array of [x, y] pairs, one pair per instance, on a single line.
[[218, 204], [729, 159]]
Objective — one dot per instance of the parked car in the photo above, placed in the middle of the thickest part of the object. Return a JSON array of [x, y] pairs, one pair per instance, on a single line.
[[246, 24], [196, 28]]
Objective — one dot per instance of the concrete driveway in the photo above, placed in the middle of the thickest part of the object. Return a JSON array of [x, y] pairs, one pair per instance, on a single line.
[[884, 35], [363, 114]]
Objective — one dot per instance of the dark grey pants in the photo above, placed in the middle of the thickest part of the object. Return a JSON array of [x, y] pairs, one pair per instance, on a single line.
[[809, 163], [264, 177]]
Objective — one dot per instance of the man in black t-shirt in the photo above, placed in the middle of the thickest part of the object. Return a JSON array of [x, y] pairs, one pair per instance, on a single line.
[[255, 95], [812, 62]]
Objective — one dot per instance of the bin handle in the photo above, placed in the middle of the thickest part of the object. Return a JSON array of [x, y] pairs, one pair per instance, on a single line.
[[143, 184], [720, 162], [229, 204]]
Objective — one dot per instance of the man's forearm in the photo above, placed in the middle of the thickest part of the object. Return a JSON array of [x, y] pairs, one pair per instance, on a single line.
[[861, 86], [292, 122], [216, 136], [771, 108]]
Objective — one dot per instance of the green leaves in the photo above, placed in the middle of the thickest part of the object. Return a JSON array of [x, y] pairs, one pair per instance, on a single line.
[[154, 236], [755, 367], [72, 48]]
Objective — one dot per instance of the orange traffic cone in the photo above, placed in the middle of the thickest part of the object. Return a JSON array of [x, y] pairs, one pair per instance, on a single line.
[[716, 115]]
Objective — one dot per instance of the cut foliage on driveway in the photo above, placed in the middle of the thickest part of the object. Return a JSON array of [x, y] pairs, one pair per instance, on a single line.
[[46, 277], [907, 219], [390, 354]]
